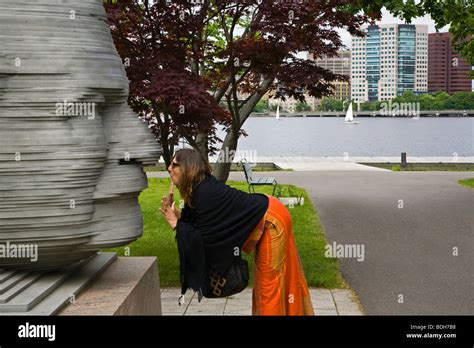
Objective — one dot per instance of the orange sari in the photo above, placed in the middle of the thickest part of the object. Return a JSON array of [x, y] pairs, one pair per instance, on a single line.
[[280, 286]]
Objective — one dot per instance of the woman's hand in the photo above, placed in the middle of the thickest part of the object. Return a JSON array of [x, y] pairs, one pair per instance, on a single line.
[[176, 211], [170, 213], [165, 203]]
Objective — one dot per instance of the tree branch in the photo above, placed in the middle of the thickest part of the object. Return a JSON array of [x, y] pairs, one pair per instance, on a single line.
[[188, 137], [221, 91], [247, 108]]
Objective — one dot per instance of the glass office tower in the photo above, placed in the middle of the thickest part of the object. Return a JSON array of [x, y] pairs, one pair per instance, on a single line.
[[391, 59]]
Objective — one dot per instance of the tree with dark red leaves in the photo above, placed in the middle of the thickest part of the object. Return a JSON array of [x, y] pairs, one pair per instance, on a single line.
[[196, 64], [157, 43], [190, 62]]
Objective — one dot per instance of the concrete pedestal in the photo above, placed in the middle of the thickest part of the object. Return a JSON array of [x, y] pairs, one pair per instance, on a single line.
[[44, 293], [129, 286]]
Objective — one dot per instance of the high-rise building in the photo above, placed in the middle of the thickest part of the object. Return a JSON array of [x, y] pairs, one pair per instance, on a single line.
[[448, 71], [391, 59], [341, 65]]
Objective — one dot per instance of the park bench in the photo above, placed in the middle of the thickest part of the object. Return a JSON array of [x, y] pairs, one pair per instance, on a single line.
[[253, 181]]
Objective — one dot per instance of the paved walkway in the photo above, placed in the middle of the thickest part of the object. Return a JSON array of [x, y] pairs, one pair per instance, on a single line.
[[334, 163], [408, 223], [326, 302], [368, 159]]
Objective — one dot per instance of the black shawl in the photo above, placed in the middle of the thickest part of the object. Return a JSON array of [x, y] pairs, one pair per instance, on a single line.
[[215, 229]]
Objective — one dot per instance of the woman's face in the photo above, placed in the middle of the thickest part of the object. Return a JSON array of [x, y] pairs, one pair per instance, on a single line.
[[175, 172]]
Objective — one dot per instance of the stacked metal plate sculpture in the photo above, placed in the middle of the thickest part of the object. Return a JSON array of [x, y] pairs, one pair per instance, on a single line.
[[71, 149]]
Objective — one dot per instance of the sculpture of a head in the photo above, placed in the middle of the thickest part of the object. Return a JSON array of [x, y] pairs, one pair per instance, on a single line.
[[71, 149]]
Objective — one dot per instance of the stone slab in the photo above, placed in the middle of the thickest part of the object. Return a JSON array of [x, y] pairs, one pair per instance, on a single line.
[[325, 302], [130, 286], [46, 293]]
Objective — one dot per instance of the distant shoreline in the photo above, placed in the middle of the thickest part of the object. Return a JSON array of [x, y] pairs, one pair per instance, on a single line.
[[364, 114], [379, 113]]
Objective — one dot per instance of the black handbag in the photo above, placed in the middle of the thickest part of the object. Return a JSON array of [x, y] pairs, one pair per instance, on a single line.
[[232, 282]]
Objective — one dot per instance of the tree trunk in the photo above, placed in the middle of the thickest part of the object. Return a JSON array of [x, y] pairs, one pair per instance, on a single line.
[[167, 153], [166, 156], [229, 146], [202, 142], [222, 166]]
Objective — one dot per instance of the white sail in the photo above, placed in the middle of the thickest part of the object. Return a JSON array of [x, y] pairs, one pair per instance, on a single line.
[[349, 114], [277, 115]]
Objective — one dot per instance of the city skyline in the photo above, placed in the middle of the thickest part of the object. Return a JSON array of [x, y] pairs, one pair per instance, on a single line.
[[388, 18], [391, 59]]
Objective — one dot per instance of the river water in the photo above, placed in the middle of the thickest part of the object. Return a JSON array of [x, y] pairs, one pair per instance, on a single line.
[[315, 136]]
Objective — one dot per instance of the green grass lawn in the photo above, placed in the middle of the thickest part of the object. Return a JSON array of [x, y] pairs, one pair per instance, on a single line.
[[467, 182], [159, 240]]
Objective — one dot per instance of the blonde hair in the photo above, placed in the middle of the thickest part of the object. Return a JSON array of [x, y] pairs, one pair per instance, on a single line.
[[194, 168]]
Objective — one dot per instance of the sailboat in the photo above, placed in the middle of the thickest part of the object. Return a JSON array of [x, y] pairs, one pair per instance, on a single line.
[[277, 115], [350, 116]]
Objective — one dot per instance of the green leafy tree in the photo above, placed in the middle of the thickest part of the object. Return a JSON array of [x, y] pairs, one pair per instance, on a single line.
[[461, 101], [302, 107], [426, 102], [368, 106], [262, 106], [440, 101], [331, 104], [406, 97]]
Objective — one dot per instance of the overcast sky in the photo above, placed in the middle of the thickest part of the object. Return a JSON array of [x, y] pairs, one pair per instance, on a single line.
[[387, 18]]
